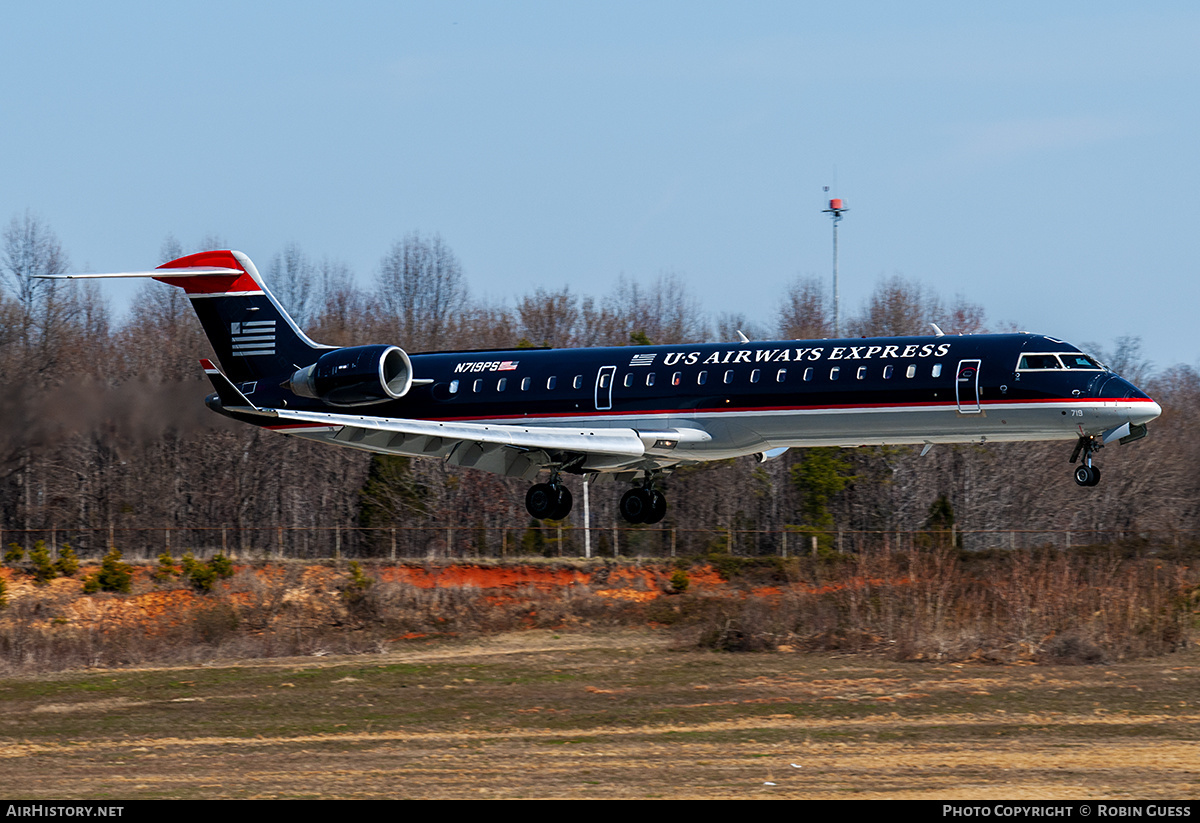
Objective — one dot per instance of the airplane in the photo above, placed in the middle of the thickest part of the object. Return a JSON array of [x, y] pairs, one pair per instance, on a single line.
[[638, 412]]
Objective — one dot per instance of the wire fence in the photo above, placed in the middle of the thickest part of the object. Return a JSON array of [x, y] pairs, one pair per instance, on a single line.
[[466, 542]]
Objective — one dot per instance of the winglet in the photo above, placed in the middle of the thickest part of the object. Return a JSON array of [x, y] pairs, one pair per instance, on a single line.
[[230, 395]]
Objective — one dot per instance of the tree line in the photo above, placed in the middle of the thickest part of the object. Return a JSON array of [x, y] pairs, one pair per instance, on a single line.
[[104, 425]]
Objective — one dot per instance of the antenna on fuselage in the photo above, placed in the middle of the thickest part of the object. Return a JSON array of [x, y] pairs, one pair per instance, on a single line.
[[836, 209]]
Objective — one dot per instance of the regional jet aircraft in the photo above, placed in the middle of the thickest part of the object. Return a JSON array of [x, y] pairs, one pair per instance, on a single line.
[[638, 412]]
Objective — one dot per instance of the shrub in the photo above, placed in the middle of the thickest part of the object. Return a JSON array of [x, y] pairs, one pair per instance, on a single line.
[[15, 553], [166, 569], [43, 567], [203, 576], [114, 576], [198, 574], [68, 562]]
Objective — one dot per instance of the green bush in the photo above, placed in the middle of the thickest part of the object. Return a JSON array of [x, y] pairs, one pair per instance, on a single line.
[[43, 566], [68, 562], [114, 576]]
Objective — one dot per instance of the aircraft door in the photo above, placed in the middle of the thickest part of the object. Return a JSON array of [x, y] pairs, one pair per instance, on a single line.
[[966, 387], [604, 387]]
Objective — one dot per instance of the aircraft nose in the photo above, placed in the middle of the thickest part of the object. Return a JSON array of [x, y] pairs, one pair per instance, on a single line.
[[1147, 412]]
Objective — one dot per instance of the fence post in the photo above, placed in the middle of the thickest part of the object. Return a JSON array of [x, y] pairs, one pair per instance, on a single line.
[[337, 541], [393, 544]]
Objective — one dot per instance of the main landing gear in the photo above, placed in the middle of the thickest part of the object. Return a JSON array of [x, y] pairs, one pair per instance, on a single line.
[[644, 504], [549, 501], [1086, 474], [552, 501]]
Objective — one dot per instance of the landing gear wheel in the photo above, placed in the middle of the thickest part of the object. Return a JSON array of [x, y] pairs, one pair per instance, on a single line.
[[564, 504], [658, 508], [637, 505], [1087, 475], [541, 501]]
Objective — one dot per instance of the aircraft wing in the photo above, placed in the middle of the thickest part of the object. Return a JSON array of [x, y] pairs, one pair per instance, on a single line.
[[512, 450]]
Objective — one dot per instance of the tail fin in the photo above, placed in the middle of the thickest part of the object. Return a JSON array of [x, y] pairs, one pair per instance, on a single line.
[[252, 335], [250, 332]]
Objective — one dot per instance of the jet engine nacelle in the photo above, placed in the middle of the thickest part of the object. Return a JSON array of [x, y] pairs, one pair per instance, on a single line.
[[355, 376]]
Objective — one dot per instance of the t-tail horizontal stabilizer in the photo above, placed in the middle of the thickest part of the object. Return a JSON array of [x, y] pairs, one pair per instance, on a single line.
[[231, 396]]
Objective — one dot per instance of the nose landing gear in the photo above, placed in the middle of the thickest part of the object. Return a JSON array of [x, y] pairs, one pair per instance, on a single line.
[[1086, 474]]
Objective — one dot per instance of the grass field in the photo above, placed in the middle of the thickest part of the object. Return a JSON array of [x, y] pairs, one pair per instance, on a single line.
[[617, 714]]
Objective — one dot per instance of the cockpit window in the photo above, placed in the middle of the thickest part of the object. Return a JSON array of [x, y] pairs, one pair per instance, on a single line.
[[1031, 362], [1080, 361], [1058, 360]]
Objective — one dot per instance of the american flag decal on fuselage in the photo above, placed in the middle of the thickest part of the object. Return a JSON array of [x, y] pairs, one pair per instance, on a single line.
[[252, 337]]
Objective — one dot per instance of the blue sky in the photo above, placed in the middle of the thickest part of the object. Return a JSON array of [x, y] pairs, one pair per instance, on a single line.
[[1038, 158]]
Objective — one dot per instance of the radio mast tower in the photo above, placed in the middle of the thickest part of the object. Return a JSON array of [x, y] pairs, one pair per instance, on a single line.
[[835, 211]]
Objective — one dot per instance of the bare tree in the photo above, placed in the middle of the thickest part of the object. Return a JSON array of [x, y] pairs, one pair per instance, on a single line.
[[804, 315], [898, 306], [30, 249], [421, 288], [293, 279], [549, 318], [663, 310]]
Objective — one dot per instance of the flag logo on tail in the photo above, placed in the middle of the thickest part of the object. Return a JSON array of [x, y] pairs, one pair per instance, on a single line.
[[252, 337]]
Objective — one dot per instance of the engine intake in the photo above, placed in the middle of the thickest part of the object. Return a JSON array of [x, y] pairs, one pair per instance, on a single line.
[[355, 376]]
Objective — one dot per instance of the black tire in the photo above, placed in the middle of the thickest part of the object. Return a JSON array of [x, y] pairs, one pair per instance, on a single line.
[[1095, 476], [658, 508], [635, 505], [541, 501], [564, 504], [1087, 476]]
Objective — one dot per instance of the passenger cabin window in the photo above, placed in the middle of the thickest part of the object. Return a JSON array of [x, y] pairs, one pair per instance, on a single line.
[[578, 381], [937, 370], [501, 384], [526, 382], [754, 375], [454, 387], [605, 379], [478, 387], [833, 373], [781, 376], [888, 371], [808, 375], [650, 379], [677, 378], [862, 372], [702, 378], [629, 380], [551, 382], [729, 375], [911, 371]]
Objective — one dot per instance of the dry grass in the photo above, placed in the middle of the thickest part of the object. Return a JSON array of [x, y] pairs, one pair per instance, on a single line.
[[933, 605]]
